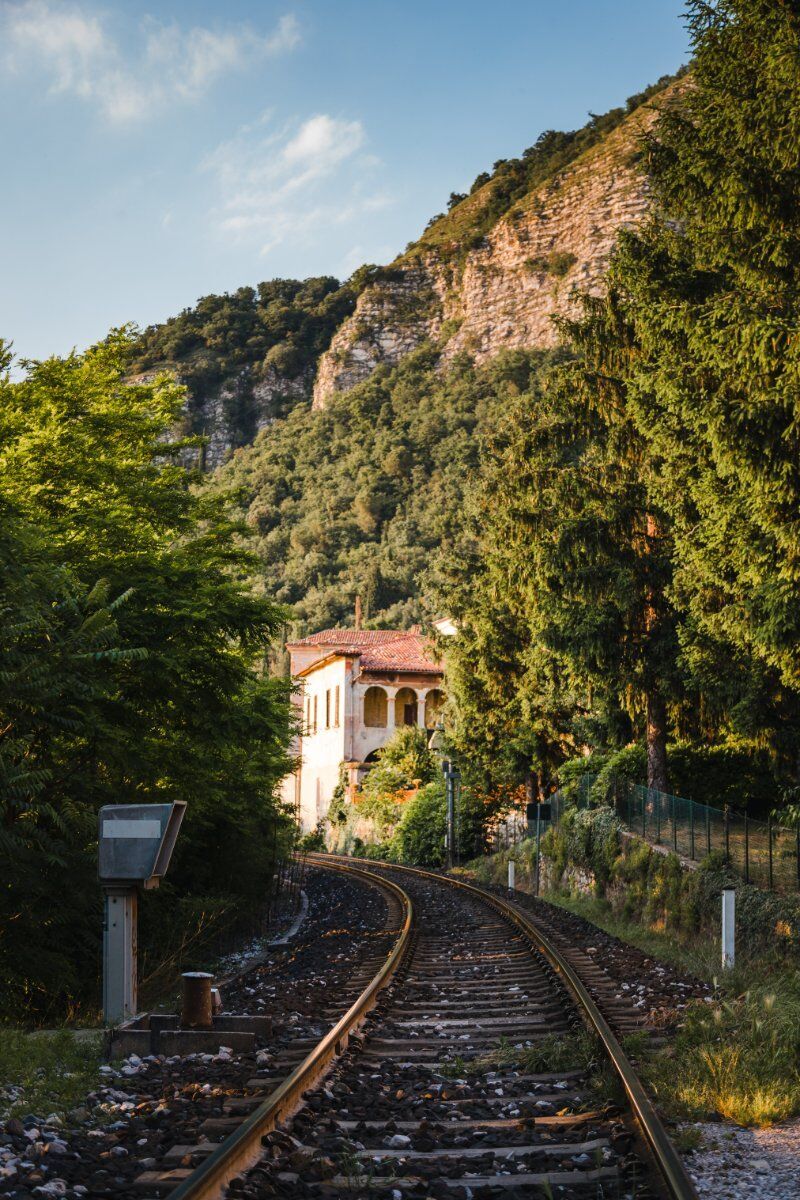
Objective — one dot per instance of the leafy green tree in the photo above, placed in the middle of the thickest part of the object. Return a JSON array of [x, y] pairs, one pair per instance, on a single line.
[[563, 607], [157, 689]]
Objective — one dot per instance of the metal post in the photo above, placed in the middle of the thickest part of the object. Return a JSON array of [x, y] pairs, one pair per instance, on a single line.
[[120, 976], [728, 927], [708, 830], [727, 819], [538, 847], [644, 815], [769, 836], [658, 820], [457, 815], [448, 778], [746, 849], [797, 855], [196, 1007], [511, 874], [691, 829], [674, 826]]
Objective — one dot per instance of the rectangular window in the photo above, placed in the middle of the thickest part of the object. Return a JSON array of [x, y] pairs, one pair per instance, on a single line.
[[308, 715], [314, 730], [328, 708], [336, 706]]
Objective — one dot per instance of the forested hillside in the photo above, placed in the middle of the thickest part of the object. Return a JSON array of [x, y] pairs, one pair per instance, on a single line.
[[612, 523], [353, 501]]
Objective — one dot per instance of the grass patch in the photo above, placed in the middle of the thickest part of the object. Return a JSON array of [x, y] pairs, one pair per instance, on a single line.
[[694, 956], [737, 1057], [46, 1073]]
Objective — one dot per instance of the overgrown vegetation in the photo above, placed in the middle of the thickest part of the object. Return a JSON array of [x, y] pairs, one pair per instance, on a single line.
[[46, 1073], [352, 500], [400, 812], [736, 1057], [132, 668]]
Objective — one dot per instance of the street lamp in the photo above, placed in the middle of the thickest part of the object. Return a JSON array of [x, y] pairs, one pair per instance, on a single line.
[[452, 780]]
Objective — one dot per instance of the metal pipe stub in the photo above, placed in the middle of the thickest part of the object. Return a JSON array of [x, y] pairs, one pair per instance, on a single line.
[[196, 1012]]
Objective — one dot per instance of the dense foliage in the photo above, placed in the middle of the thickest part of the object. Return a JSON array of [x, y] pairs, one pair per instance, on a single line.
[[131, 669], [634, 559], [353, 499]]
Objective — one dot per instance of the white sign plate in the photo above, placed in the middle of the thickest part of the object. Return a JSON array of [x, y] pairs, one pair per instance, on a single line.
[[131, 829]]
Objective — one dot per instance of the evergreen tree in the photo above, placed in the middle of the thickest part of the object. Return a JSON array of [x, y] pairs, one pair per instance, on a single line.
[[698, 338]]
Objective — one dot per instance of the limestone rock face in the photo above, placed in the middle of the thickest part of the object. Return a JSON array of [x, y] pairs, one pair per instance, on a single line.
[[237, 410], [392, 317], [503, 294]]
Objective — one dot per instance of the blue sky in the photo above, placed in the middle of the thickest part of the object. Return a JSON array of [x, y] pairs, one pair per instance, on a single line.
[[155, 153]]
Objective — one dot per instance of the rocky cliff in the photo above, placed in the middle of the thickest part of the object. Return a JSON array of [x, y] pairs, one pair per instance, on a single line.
[[504, 290], [490, 274]]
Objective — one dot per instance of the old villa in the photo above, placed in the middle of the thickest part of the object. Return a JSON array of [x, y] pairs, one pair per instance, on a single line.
[[356, 687]]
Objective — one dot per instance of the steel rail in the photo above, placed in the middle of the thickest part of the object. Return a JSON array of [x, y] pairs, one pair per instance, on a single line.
[[243, 1148], [667, 1159]]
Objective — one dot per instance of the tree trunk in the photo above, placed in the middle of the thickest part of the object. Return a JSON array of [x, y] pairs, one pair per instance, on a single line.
[[657, 742], [533, 787]]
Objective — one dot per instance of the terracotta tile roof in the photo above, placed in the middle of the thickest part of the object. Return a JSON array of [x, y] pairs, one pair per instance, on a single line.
[[349, 637], [408, 652], [378, 649]]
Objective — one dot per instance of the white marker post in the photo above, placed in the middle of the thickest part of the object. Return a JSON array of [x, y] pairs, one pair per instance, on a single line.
[[728, 927], [512, 866]]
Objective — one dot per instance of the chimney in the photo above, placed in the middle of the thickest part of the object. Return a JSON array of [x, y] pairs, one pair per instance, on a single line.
[[358, 612]]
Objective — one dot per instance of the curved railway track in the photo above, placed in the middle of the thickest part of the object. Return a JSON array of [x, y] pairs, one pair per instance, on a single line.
[[417, 1101]]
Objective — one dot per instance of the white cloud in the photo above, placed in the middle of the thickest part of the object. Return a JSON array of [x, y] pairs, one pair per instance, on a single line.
[[74, 48], [276, 185]]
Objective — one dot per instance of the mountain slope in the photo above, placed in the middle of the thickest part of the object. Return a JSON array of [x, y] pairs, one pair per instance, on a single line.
[[493, 272]]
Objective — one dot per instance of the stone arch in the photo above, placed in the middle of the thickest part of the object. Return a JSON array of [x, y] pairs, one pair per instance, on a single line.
[[405, 707], [376, 708], [434, 702]]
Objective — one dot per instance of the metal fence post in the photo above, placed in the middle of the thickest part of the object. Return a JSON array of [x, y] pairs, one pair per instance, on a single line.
[[708, 830], [746, 850], [769, 860], [658, 820], [644, 816], [674, 827], [728, 927], [797, 856], [727, 819], [691, 829]]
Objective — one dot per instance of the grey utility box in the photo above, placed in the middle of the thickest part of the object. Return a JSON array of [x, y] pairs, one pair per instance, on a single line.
[[135, 845], [136, 842]]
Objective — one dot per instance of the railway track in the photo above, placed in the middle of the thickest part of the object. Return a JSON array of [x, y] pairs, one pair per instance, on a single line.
[[463, 1070]]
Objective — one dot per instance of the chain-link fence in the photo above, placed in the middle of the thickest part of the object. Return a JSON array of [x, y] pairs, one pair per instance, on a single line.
[[762, 852]]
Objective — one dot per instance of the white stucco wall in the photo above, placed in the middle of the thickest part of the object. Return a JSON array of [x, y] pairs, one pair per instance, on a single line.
[[322, 751]]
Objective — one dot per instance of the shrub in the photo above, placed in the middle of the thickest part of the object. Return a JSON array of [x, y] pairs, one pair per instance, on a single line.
[[731, 773], [419, 836]]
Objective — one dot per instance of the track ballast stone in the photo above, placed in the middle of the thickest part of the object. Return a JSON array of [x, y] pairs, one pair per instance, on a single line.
[[151, 1114]]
